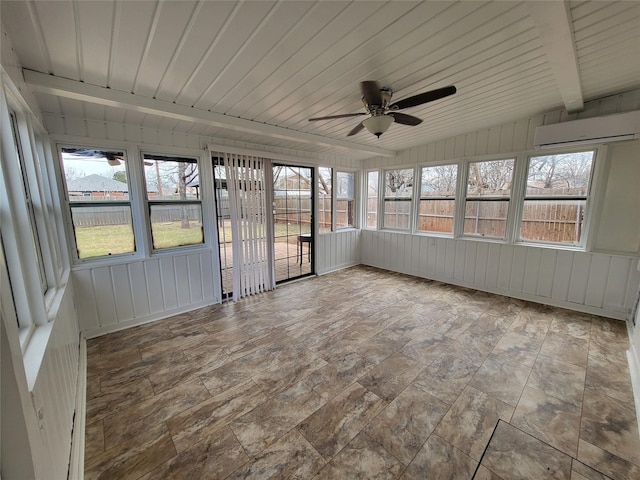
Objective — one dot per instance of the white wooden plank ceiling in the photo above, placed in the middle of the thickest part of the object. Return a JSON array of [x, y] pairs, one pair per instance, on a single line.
[[268, 66]]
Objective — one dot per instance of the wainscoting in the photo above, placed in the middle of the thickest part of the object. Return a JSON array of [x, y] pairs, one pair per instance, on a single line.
[[54, 391], [113, 297], [337, 250], [591, 282]]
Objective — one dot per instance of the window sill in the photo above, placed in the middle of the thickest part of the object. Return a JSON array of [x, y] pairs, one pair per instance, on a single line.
[[34, 354]]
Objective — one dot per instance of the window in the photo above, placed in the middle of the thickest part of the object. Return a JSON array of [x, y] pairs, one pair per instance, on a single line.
[[398, 188], [98, 198], [372, 200], [345, 199], [437, 198], [173, 196], [325, 199], [556, 197], [487, 198], [34, 238]]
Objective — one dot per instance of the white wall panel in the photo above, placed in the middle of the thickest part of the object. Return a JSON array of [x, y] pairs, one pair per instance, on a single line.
[[118, 296], [562, 278], [54, 391], [337, 250]]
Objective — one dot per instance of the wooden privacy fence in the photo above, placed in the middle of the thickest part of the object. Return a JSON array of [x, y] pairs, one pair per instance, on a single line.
[[121, 215], [548, 220]]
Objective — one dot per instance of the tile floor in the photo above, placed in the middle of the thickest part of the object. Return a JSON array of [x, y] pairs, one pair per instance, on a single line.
[[364, 374]]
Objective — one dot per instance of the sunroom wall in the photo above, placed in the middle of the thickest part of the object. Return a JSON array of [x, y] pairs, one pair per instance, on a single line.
[[602, 280], [120, 293]]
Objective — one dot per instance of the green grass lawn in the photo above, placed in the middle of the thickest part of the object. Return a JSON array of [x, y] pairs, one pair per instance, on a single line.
[[115, 239]]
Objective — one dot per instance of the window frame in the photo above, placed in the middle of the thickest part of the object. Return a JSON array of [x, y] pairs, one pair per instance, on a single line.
[[352, 200], [332, 227], [463, 183], [68, 205], [26, 181], [383, 198], [148, 203], [420, 199], [594, 173], [365, 202]]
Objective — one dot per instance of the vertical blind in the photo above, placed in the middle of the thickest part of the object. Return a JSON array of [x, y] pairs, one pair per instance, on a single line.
[[249, 185]]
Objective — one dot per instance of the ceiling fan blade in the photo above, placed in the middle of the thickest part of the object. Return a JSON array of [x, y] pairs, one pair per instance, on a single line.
[[330, 117], [423, 98], [371, 92], [355, 129], [405, 119]]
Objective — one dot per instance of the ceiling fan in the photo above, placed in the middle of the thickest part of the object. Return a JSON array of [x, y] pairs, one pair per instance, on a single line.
[[377, 100]]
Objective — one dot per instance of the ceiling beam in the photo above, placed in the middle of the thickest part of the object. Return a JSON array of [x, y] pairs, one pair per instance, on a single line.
[[63, 87], [553, 23]]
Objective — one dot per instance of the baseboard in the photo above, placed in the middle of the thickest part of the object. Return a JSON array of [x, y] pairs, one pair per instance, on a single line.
[[634, 370], [336, 268], [134, 322], [76, 460]]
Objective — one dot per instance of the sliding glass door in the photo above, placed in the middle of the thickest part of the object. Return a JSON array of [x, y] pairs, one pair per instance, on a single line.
[[293, 221]]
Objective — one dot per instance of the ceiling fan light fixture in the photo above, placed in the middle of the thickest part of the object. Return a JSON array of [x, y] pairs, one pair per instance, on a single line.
[[378, 124]]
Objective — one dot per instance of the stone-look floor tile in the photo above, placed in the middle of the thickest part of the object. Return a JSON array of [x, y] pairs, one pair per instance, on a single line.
[[128, 423], [610, 424], [93, 386], [549, 419], [133, 337], [469, 423], [93, 439], [119, 399], [502, 378], [580, 471], [606, 462], [216, 457], [576, 324], [334, 377], [559, 379], [201, 421], [113, 361], [483, 473], [175, 341], [406, 423], [516, 348], [531, 325], [237, 371], [336, 423], [439, 460], [138, 369], [391, 376], [610, 376], [474, 344], [362, 459], [129, 461], [272, 419], [515, 455], [447, 377], [426, 348], [241, 349], [380, 347], [566, 348], [286, 371], [225, 339], [290, 457], [93, 349]]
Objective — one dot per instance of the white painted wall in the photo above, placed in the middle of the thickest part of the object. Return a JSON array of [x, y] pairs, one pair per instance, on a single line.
[[39, 385], [337, 250]]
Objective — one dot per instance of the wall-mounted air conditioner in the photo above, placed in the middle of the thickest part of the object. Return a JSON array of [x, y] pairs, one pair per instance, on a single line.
[[606, 129]]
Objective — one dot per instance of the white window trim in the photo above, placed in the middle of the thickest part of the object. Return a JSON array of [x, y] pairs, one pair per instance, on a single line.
[[335, 200], [594, 190], [148, 235], [419, 198], [382, 197], [364, 195], [511, 199]]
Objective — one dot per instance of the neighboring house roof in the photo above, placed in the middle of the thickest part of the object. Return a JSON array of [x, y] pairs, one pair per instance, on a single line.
[[96, 183]]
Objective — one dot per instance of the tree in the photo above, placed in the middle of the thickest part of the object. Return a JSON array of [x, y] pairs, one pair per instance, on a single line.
[[121, 176]]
